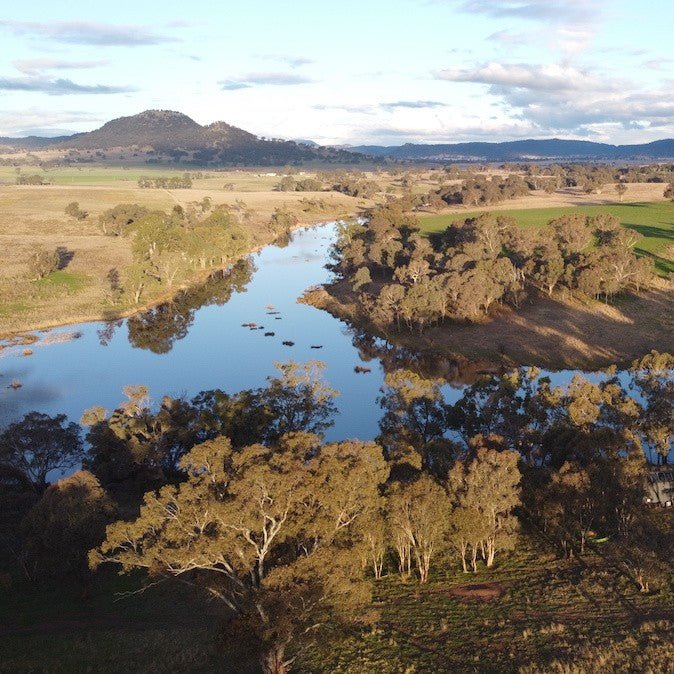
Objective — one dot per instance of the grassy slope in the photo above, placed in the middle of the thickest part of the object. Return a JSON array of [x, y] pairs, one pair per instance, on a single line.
[[547, 609], [654, 220]]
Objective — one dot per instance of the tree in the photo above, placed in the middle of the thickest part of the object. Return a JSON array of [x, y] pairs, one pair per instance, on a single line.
[[570, 509], [116, 221], [571, 233], [282, 220], [549, 266], [42, 263], [299, 399], [136, 443], [414, 419], [34, 448], [669, 191], [257, 531], [361, 278], [418, 513], [466, 529], [489, 485], [653, 377], [68, 520]]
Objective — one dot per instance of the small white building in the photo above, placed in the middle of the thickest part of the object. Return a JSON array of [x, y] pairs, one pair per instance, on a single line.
[[660, 487]]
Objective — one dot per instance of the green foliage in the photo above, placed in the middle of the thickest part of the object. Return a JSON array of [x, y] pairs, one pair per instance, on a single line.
[[282, 220], [35, 179], [258, 531], [33, 449], [183, 182], [480, 262], [655, 221], [166, 247], [116, 221]]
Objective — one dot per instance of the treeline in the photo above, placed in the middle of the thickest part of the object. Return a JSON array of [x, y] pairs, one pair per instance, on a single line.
[[183, 182], [591, 177], [291, 184], [480, 191], [245, 501], [404, 279]]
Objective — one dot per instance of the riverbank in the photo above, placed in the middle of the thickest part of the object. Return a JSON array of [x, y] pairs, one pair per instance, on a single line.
[[68, 314], [552, 333]]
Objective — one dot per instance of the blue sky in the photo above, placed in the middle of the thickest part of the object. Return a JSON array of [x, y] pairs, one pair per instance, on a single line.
[[374, 71]]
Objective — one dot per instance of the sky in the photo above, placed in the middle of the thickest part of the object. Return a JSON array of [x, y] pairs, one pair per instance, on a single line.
[[379, 72]]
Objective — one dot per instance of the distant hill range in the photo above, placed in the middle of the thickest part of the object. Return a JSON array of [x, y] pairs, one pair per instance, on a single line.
[[522, 150], [158, 136], [169, 134]]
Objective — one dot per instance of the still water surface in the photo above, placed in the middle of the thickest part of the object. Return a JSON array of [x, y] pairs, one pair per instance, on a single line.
[[207, 347]]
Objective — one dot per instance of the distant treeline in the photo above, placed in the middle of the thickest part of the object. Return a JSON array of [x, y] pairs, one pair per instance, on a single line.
[[183, 182]]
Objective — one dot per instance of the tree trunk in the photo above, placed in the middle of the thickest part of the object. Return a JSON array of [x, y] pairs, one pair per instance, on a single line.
[[491, 553], [273, 661]]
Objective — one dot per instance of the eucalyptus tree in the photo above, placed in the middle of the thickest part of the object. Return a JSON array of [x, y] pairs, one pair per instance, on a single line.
[[274, 535]]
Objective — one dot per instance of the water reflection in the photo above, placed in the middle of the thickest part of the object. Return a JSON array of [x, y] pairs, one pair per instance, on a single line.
[[158, 328], [198, 342], [456, 372]]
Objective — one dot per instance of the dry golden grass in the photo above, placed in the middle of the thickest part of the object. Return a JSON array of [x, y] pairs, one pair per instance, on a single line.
[[33, 216]]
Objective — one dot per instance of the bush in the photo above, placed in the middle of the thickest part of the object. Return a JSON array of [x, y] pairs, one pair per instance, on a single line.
[[34, 179], [74, 211]]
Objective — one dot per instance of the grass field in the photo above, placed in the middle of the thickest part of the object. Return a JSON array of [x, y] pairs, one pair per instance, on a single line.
[[654, 220], [535, 608]]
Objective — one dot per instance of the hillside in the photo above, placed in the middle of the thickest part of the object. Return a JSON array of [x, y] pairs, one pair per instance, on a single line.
[[522, 150], [173, 134]]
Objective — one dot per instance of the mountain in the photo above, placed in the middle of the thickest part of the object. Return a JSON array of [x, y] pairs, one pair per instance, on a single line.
[[170, 134], [165, 135], [522, 150]]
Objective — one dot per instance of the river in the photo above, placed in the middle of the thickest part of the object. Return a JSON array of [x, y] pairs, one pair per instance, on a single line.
[[199, 343]]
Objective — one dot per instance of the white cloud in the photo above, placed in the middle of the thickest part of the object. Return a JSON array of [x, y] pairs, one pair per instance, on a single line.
[[553, 77], [57, 87], [573, 23], [89, 33], [562, 99], [38, 65], [263, 79], [19, 123]]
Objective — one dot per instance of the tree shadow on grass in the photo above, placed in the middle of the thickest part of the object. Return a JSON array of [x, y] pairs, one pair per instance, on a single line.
[[65, 256]]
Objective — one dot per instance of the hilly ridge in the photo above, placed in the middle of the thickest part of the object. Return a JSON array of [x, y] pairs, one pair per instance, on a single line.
[[166, 132], [521, 150], [174, 134]]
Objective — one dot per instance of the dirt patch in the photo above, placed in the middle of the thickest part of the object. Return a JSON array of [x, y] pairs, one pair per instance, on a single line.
[[480, 592]]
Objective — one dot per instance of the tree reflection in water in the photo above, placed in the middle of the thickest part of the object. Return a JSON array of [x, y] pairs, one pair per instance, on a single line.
[[159, 327]]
